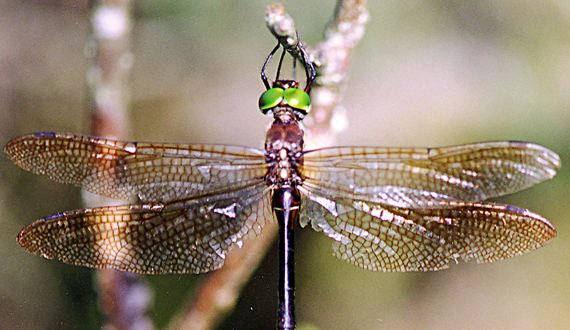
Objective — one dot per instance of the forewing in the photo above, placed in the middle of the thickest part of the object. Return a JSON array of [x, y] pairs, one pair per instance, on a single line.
[[149, 171], [420, 177], [185, 236], [385, 238]]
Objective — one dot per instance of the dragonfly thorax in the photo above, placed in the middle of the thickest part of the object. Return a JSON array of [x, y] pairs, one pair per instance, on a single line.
[[284, 152]]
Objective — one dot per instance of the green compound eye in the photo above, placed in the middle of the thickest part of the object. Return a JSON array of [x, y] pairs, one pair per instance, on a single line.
[[298, 99], [270, 99]]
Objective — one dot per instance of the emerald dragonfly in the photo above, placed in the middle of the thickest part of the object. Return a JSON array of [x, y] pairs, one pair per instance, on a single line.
[[385, 209]]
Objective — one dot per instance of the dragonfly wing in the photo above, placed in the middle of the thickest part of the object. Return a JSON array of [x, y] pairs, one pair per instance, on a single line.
[[420, 177], [381, 237], [149, 171], [185, 236]]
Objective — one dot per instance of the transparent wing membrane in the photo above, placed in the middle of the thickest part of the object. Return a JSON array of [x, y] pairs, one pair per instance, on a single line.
[[152, 172], [379, 244], [386, 209], [420, 177], [386, 238], [182, 236], [414, 209]]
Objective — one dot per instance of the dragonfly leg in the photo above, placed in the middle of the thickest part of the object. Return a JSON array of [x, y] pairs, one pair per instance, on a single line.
[[263, 75]]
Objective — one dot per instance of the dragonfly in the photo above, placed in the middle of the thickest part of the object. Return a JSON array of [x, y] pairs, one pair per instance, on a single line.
[[384, 208]]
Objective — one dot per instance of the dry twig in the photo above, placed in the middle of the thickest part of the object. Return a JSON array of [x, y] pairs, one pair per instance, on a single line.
[[123, 297], [332, 55]]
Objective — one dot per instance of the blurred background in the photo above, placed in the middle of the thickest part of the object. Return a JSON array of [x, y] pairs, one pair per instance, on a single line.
[[427, 73]]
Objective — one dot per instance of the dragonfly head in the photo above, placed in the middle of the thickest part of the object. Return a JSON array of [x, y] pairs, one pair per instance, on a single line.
[[284, 98], [285, 95]]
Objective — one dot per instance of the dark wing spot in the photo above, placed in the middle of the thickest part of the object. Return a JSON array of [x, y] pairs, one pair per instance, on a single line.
[[518, 144], [53, 216], [515, 209], [45, 134]]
